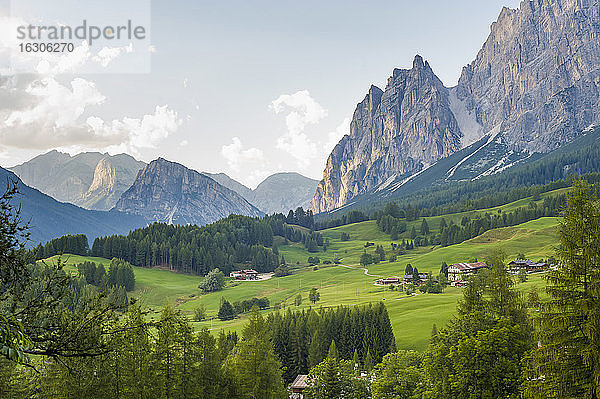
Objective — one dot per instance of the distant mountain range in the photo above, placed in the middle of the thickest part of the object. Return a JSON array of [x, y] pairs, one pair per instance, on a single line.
[[533, 87], [97, 181], [91, 180], [49, 218], [278, 193]]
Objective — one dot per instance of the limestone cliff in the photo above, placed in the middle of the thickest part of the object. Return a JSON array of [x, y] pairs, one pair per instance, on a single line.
[[400, 130], [169, 192], [533, 86]]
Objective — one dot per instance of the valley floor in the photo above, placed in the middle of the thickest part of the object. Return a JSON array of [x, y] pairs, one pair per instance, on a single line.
[[348, 284]]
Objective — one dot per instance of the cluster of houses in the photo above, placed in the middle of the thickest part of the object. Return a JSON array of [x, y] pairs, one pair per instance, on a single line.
[[246, 274], [459, 273]]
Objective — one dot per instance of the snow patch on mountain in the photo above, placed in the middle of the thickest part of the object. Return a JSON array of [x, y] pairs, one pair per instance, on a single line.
[[467, 122], [492, 135]]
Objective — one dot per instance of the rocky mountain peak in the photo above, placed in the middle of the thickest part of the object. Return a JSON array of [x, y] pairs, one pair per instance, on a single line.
[[166, 191], [533, 86], [393, 132], [418, 62], [112, 176], [104, 175]]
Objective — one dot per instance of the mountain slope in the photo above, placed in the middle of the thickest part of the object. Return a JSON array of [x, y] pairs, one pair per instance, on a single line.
[[534, 86], [60, 175], [537, 73], [278, 193], [112, 177], [91, 180], [231, 184], [431, 187], [169, 192], [49, 218], [283, 191]]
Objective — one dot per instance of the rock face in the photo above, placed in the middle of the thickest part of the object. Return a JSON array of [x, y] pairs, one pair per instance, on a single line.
[[281, 192], [537, 73], [169, 192], [112, 177], [91, 180], [60, 175], [533, 86], [393, 132]]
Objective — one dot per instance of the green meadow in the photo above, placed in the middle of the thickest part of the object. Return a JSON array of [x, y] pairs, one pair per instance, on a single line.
[[412, 316]]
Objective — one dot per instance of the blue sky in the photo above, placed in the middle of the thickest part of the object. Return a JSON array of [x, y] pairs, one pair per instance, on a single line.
[[255, 87]]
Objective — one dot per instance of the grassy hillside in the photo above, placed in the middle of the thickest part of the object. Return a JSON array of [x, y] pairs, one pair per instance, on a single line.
[[412, 317], [153, 287]]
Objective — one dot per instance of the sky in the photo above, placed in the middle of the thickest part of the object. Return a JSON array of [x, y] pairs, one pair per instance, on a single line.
[[249, 88]]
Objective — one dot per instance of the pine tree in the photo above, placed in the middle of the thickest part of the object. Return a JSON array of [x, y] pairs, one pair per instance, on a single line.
[[314, 295], [226, 311], [424, 227], [369, 362], [332, 353], [444, 269], [356, 360], [253, 365], [567, 364], [434, 330]]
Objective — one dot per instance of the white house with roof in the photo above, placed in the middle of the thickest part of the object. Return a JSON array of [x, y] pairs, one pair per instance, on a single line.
[[460, 272]]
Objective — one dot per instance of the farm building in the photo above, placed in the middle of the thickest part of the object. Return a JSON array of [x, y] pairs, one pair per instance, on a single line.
[[529, 266], [408, 278], [298, 386], [460, 272], [246, 274], [388, 281]]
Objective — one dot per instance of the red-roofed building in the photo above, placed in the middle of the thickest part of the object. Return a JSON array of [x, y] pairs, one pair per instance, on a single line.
[[388, 281], [246, 274]]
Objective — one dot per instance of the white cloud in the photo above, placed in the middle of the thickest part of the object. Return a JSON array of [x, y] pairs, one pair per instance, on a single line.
[[107, 54], [302, 110], [58, 105], [145, 132], [237, 156], [51, 115]]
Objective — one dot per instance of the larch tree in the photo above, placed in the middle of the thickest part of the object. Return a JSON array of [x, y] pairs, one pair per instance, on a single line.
[[567, 363]]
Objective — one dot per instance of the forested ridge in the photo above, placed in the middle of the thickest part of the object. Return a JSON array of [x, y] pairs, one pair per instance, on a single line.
[[393, 220], [226, 244]]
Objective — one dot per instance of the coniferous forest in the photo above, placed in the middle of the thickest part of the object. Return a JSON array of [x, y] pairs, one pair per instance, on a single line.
[[226, 244]]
